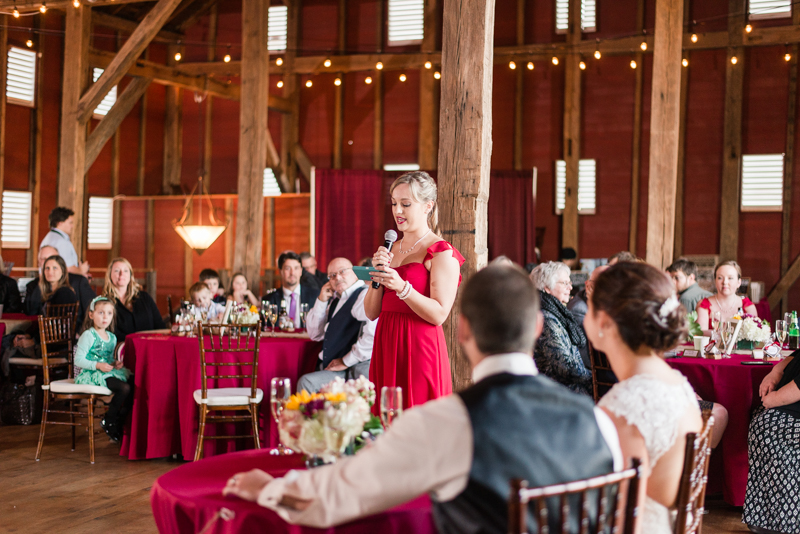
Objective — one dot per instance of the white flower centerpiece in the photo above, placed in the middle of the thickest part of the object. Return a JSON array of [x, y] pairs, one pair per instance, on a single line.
[[753, 331], [323, 424], [243, 314]]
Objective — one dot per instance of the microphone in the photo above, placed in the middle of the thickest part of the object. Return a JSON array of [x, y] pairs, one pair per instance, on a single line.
[[390, 237]]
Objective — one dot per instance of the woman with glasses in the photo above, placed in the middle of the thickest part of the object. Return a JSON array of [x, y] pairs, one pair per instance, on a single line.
[[558, 350]]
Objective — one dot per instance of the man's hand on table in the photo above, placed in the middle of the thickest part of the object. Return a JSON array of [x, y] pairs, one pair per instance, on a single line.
[[247, 485]]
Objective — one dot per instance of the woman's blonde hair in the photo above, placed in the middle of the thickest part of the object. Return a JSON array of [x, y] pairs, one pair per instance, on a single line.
[[44, 285], [730, 263], [110, 292], [423, 190]]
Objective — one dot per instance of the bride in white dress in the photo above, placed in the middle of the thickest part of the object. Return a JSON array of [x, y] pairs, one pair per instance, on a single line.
[[634, 317]]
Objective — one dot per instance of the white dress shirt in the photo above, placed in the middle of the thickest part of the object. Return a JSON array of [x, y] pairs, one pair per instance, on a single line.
[[427, 450], [317, 324], [287, 296], [60, 241]]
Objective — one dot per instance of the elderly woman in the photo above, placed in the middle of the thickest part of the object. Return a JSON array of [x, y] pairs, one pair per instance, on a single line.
[[558, 350], [135, 310]]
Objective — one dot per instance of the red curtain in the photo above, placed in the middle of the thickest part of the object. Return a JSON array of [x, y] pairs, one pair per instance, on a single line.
[[512, 216]]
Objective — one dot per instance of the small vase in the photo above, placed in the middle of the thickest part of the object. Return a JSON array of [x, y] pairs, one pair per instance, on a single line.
[[745, 344]]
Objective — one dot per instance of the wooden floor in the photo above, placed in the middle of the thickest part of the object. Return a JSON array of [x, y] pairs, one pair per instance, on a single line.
[[64, 493]]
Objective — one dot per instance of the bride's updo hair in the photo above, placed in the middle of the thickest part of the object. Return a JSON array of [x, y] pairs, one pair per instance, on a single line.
[[641, 300], [423, 189]]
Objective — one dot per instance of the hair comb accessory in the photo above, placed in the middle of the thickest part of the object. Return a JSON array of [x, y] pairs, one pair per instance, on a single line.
[[96, 300], [669, 306]]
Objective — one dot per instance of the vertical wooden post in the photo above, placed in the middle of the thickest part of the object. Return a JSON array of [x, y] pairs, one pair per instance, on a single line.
[[788, 162], [377, 130], [72, 151], [428, 93], [572, 129], [142, 154], [228, 235], [465, 148], [636, 152], [518, 100], [252, 140], [150, 237], [290, 122], [664, 129], [681, 179], [732, 137], [338, 92], [113, 252], [209, 110], [35, 159], [173, 132]]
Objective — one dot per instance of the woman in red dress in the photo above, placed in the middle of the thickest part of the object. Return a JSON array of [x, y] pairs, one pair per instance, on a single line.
[[415, 297]]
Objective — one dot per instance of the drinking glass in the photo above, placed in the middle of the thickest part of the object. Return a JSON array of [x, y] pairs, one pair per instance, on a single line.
[[280, 389], [716, 319], [726, 330], [391, 404], [303, 314], [781, 331], [273, 316]]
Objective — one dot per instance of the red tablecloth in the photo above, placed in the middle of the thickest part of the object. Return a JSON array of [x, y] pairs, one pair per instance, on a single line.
[[166, 369], [735, 386], [187, 498]]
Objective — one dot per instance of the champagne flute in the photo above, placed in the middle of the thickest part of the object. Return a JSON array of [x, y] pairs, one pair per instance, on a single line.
[[726, 333], [273, 316], [781, 331], [303, 314], [280, 389], [391, 404], [716, 319]]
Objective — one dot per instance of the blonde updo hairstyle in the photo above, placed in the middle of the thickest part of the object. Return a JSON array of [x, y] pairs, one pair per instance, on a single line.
[[423, 190], [730, 263]]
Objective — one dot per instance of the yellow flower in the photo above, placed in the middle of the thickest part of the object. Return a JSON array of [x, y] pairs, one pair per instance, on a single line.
[[253, 309], [737, 317], [336, 397]]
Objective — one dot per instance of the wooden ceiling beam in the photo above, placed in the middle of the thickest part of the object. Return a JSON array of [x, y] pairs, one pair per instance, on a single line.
[[25, 6], [202, 8], [125, 25]]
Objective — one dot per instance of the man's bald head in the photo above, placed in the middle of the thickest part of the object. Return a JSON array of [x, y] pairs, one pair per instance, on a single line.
[[44, 253], [342, 272]]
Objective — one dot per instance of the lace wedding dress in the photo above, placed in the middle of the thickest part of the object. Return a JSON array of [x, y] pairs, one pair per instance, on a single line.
[[655, 409]]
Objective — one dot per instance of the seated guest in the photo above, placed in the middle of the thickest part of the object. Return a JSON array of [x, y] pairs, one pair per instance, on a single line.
[[9, 295], [365, 262], [23, 345], [684, 275], [770, 502], [240, 291], [210, 277], [558, 351], [338, 320], [79, 283], [569, 257], [577, 306], [134, 310], [51, 287], [205, 308], [292, 290], [311, 275], [62, 222], [634, 317], [622, 256], [449, 447], [727, 279], [502, 260]]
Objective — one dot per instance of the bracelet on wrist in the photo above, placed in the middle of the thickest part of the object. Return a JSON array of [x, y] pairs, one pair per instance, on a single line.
[[406, 291]]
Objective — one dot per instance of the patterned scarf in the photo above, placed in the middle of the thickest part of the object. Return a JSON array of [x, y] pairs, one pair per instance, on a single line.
[[575, 331]]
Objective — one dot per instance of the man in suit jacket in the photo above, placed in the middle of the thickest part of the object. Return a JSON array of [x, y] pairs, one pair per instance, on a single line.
[[338, 320], [9, 295], [291, 290], [33, 296]]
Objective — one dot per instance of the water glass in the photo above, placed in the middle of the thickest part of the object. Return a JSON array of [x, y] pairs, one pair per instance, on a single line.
[[303, 314], [391, 404], [781, 331], [280, 389]]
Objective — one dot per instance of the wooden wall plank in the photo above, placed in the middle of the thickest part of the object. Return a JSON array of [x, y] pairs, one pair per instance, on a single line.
[[572, 130], [35, 159], [290, 123], [173, 132], [518, 89], [428, 143], [680, 182], [208, 116], [338, 90], [636, 148]]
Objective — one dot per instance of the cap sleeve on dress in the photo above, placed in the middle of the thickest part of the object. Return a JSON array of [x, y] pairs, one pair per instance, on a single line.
[[746, 302], [705, 304], [442, 246]]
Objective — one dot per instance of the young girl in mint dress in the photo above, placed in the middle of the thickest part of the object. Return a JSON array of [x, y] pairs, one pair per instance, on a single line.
[[94, 356]]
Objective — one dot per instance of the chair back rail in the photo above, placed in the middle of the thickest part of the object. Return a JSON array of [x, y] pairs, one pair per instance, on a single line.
[[56, 340], [600, 365], [63, 310], [216, 340], [615, 508], [692, 488]]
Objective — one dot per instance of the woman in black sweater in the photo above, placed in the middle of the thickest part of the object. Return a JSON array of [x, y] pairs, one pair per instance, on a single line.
[[52, 286], [135, 309]]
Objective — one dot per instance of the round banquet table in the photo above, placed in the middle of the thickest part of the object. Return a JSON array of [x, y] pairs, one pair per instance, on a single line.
[[10, 321], [164, 417], [189, 498], [734, 386]]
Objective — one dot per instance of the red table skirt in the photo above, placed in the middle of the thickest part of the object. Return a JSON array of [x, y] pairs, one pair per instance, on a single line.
[[164, 419], [734, 386], [187, 498]]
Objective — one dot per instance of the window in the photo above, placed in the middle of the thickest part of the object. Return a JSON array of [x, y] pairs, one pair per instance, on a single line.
[[762, 182], [769, 9], [21, 79], [271, 187], [101, 222], [406, 21], [401, 167], [16, 219], [588, 16], [587, 170], [108, 101], [278, 27]]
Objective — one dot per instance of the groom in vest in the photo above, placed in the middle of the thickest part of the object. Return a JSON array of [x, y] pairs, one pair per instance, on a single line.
[[338, 320], [464, 448]]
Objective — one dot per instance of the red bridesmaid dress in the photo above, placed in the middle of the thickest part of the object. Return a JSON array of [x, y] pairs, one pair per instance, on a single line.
[[408, 351]]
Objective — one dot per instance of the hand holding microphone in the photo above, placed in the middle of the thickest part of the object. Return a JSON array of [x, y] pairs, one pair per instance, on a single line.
[[382, 259]]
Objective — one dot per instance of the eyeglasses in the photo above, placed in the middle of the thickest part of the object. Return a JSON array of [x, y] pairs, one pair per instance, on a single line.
[[565, 283], [333, 276]]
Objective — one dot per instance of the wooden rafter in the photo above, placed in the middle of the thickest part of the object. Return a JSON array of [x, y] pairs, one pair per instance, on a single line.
[[125, 25], [201, 8], [34, 5]]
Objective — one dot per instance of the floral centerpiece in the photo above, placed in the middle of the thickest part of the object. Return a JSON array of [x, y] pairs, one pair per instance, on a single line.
[[694, 326], [323, 424], [753, 331], [242, 314]]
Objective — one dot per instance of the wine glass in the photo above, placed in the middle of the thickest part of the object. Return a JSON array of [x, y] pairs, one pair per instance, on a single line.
[[303, 314], [781, 331], [716, 319], [726, 330], [391, 404], [280, 389], [273, 316]]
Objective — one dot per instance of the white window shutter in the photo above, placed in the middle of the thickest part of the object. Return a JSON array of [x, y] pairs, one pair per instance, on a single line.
[[21, 77], [587, 188], [16, 219], [406, 21], [769, 9], [762, 182], [588, 16], [108, 101], [271, 187], [101, 223], [277, 29]]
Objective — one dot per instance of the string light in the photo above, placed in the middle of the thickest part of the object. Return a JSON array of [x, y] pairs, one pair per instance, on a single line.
[[685, 62], [437, 75], [788, 56], [379, 65], [512, 65], [178, 56], [597, 54], [43, 8], [279, 61], [554, 60], [530, 65], [76, 3], [227, 58], [402, 77], [734, 60], [16, 12], [327, 62], [280, 84], [694, 37], [337, 82], [748, 28], [633, 64], [428, 64], [368, 80], [643, 46], [582, 65], [29, 43], [309, 83]]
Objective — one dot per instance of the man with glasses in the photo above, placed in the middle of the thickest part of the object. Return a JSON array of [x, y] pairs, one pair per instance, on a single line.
[[338, 320]]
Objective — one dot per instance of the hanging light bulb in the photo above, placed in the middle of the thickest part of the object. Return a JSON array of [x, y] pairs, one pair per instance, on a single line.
[[43, 8], [582, 65], [402, 77], [554, 60], [29, 43], [734, 60], [512, 65], [437, 75], [379, 65], [597, 54], [16, 12], [279, 61], [748, 28], [368, 80], [76, 3], [309, 83], [178, 56], [685, 62], [428, 64], [280, 84], [643, 46], [337, 82], [633, 64], [327, 62], [694, 38], [227, 58], [530, 65], [788, 56]]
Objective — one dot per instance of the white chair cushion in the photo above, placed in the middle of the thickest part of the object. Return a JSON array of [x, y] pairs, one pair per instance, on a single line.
[[227, 396], [69, 386], [35, 361]]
